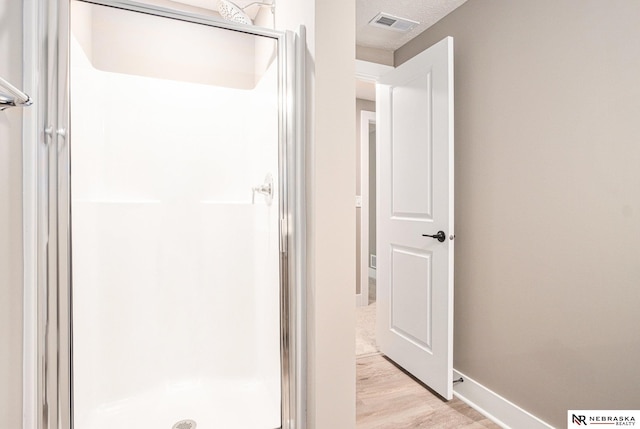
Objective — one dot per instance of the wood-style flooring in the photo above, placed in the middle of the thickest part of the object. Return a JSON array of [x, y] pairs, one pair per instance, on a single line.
[[388, 398]]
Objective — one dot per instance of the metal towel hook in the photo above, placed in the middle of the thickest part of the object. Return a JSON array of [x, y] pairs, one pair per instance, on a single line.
[[15, 98]]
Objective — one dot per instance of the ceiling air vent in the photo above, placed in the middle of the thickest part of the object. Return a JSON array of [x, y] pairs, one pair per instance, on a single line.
[[384, 20]]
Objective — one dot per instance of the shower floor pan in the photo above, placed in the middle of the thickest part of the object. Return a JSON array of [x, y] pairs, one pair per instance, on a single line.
[[225, 405]]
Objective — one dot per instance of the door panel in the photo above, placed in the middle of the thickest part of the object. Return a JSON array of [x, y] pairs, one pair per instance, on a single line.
[[410, 306], [411, 163], [415, 182]]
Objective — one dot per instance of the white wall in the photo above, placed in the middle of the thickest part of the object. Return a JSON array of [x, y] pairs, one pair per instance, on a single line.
[[11, 222]]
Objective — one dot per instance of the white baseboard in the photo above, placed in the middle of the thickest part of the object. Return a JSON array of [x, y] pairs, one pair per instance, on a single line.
[[361, 300], [502, 411], [372, 273]]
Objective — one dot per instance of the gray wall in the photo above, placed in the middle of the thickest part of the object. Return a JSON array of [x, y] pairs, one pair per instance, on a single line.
[[11, 222], [370, 106], [374, 55], [547, 300]]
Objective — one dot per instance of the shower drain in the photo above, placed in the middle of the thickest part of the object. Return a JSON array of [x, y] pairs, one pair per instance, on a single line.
[[185, 424]]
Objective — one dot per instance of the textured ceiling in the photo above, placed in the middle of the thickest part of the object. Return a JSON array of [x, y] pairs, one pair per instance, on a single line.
[[427, 12]]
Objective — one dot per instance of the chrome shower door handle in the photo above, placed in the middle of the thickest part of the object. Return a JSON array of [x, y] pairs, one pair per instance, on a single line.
[[265, 189], [262, 189]]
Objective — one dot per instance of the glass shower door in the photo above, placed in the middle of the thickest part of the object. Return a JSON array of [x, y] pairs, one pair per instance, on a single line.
[[174, 149]]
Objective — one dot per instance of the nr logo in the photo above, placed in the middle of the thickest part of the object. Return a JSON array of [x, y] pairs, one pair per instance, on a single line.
[[579, 420]]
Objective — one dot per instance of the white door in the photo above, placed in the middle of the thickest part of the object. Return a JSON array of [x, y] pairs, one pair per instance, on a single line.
[[415, 189]]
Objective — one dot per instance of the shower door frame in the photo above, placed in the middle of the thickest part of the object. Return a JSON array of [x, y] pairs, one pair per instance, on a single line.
[[48, 372]]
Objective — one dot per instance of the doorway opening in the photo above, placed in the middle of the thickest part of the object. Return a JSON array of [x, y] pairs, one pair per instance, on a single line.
[[366, 234], [366, 190]]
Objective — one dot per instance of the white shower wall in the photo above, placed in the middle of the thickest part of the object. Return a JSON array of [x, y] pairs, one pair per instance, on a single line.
[[175, 271]]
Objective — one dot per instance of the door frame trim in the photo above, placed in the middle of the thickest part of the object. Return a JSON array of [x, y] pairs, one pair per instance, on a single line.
[[369, 72]]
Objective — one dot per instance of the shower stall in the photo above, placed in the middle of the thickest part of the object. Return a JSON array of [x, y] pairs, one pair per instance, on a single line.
[[169, 283]]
